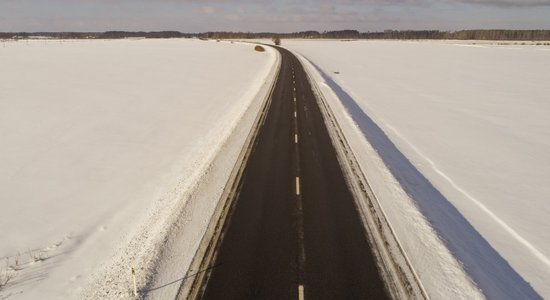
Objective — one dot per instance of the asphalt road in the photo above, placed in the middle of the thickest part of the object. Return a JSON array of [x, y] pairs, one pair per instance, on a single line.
[[294, 232]]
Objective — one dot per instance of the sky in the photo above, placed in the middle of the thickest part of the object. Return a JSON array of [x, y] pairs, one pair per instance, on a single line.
[[273, 16]]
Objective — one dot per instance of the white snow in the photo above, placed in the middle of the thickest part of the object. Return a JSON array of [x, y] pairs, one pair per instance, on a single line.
[[103, 143], [462, 136]]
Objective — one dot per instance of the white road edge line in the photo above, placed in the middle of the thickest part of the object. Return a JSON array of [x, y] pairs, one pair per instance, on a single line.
[[297, 185], [300, 292]]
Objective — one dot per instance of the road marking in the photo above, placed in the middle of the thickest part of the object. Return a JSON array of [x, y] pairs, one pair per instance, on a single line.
[[294, 89], [293, 82], [300, 292], [294, 99], [295, 115], [297, 185], [295, 138]]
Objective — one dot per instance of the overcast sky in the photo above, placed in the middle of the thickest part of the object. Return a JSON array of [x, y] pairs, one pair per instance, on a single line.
[[263, 15]]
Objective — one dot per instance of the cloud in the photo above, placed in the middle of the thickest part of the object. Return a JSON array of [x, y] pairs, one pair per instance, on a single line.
[[264, 15], [207, 10], [233, 17], [509, 2], [516, 3]]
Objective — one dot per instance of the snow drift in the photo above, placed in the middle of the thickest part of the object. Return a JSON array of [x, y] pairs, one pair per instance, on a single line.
[[103, 144]]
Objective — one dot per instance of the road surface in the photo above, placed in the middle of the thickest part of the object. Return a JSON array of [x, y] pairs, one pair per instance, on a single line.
[[294, 231]]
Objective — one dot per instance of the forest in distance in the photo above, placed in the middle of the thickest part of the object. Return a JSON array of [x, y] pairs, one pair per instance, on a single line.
[[481, 34]]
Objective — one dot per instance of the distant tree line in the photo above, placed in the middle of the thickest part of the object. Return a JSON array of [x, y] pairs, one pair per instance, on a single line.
[[341, 34], [97, 35], [481, 34]]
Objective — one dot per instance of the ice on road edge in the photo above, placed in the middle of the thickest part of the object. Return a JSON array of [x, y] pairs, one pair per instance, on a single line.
[[166, 257]]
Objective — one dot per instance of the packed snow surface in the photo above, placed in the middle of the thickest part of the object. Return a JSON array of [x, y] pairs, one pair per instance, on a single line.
[[99, 140], [464, 130]]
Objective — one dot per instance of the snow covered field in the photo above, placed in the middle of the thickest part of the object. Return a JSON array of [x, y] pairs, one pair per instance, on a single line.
[[101, 145], [462, 133]]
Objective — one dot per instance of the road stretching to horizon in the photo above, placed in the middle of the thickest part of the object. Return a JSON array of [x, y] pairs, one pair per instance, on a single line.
[[294, 231]]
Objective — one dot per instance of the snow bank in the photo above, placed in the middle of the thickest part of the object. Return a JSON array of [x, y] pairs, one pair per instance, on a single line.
[[460, 135], [103, 143]]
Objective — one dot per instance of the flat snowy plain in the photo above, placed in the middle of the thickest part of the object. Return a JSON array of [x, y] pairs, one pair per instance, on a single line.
[[101, 144], [460, 133]]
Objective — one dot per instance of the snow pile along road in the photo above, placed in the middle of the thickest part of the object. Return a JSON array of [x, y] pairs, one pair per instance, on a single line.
[[455, 140], [102, 146]]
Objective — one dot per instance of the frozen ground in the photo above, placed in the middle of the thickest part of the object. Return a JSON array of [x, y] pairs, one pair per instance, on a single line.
[[460, 133], [101, 145]]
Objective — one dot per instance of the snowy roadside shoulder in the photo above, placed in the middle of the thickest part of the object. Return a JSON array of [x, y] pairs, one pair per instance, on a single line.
[[440, 273], [155, 261]]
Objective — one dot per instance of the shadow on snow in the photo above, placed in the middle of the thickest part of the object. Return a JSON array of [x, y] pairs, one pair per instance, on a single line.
[[490, 271]]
